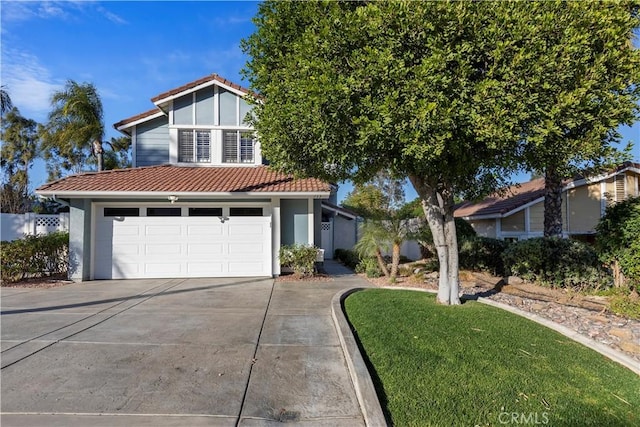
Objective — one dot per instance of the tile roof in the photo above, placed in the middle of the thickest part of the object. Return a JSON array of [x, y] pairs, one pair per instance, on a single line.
[[518, 195], [179, 179], [195, 83], [500, 203], [137, 117]]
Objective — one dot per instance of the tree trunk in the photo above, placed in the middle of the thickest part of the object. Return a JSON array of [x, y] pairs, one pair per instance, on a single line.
[[98, 151], [395, 261], [552, 203], [438, 209], [381, 263]]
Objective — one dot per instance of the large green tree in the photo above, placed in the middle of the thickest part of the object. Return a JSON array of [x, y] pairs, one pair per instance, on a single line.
[[582, 72], [351, 88], [75, 129], [20, 147]]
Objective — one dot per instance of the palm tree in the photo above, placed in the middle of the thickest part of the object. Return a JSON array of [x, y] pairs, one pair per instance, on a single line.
[[5, 100], [75, 123]]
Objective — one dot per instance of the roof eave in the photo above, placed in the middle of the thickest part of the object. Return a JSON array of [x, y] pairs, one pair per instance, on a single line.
[[184, 194], [163, 102]]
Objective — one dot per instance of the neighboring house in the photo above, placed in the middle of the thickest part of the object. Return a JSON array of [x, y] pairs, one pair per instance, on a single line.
[[198, 201], [519, 212]]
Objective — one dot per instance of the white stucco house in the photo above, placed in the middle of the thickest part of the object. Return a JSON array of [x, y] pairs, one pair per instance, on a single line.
[[199, 200]]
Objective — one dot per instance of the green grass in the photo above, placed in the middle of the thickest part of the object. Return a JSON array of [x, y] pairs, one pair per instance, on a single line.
[[475, 365]]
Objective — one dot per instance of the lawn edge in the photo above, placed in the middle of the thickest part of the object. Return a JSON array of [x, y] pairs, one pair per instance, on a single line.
[[358, 371], [606, 351]]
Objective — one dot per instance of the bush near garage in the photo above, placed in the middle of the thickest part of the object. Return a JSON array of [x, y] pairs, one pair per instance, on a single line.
[[556, 262], [300, 258], [34, 256]]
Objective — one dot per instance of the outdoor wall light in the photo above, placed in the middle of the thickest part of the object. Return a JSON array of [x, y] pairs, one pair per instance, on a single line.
[[173, 199]]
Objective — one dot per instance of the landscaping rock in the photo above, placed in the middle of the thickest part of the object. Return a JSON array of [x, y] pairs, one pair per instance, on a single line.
[[432, 275], [623, 334], [514, 280], [630, 347]]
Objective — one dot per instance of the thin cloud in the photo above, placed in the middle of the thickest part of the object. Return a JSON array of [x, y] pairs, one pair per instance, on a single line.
[[116, 19], [21, 11], [29, 83]]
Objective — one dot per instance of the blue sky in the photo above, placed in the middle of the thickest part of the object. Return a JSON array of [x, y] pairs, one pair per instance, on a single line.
[[131, 51]]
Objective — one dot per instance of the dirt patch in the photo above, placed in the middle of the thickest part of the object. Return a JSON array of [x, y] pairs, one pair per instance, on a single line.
[[290, 277], [38, 282]]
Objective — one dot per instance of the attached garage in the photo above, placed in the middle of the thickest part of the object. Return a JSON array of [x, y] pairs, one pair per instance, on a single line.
[[181, 241], [171, 221]]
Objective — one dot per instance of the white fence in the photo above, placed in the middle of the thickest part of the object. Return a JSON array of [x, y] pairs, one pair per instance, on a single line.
[[16, 226]]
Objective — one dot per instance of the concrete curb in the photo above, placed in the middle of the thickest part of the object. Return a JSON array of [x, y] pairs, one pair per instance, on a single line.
[[615, 355], [360, 377]]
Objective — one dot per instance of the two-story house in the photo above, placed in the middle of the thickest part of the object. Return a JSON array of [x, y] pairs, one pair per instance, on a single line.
[[198, 201]]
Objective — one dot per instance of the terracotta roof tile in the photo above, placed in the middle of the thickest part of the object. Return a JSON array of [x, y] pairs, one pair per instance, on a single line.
[[196, 83], [515, 196], [136, 117], [178, 179]]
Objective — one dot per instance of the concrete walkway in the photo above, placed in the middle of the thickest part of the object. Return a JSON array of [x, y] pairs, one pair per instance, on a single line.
[[222, 352]]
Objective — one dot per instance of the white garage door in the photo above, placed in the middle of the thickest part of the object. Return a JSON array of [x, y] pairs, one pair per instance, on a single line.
[[129, 247]]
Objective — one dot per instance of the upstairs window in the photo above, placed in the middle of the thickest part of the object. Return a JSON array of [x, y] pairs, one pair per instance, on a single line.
[[194, 146], [237, 146]]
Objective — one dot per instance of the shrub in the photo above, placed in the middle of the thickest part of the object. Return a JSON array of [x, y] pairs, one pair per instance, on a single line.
[[482, 254], [555, 262], [618, 240], [35, 256], [300, 258], [370, 267], [347, 257]]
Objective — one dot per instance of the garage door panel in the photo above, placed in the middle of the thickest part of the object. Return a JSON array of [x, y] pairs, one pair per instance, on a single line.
[[125, 230], [245, 229], [165, 247], [198, 269], [163, 230], [245, 248], [163, 268], [250, 268], [208, 251], [212, 230]]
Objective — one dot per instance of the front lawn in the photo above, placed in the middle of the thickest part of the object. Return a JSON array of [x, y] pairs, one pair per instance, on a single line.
[[476, 365]]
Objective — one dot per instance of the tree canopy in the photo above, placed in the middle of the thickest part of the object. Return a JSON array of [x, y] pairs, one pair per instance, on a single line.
[[75, 129], [410, 87], [20, 147]]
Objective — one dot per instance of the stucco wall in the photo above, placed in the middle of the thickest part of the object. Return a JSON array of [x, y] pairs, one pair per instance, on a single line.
[[79, 240], [513, 223], [344, 232], [584, 208], [484, 227], [294, 221]]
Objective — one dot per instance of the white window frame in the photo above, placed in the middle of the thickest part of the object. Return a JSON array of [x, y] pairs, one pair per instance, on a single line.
[[195, 132], [239, 147]]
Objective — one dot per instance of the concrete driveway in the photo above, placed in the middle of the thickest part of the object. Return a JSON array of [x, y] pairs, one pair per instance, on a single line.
[[174, 352]]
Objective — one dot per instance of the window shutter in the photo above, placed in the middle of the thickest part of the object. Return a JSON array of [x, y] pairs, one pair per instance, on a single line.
[[620, 196], [246, 147], [185, 146], [203, 146], [230, 147]]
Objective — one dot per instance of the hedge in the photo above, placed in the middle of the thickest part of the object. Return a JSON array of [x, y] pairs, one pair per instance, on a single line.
[[35, 256]]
